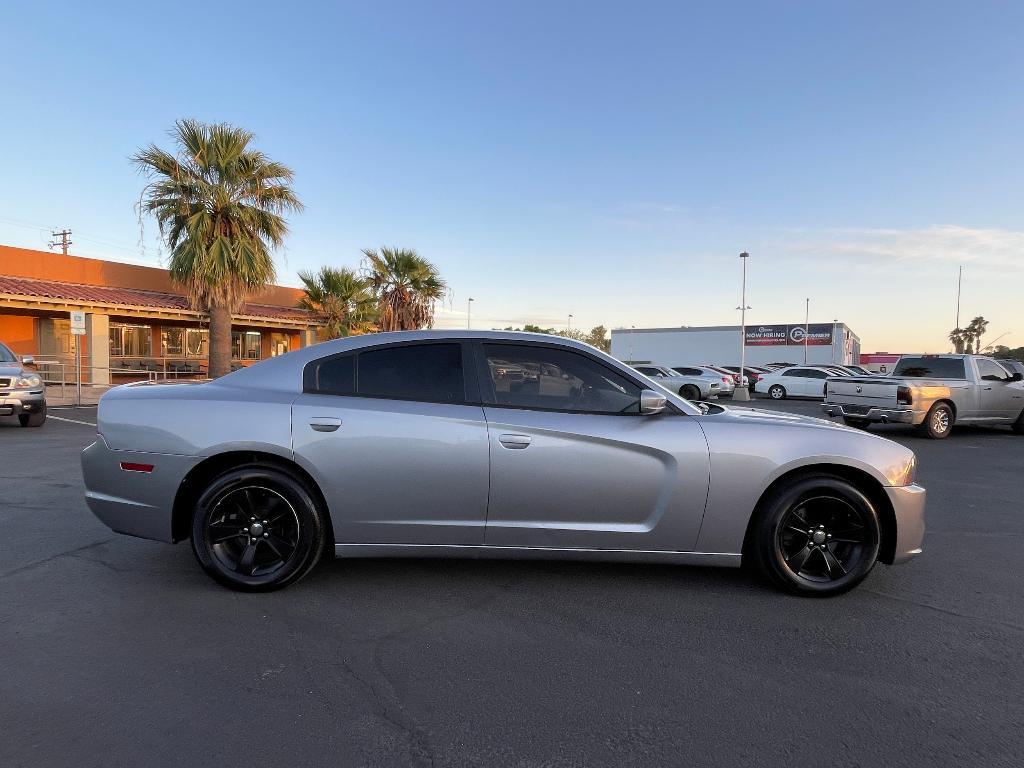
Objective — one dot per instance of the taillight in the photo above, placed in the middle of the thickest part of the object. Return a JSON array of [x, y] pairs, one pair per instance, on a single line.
[[131, 466], [903, 396], [725, 379]]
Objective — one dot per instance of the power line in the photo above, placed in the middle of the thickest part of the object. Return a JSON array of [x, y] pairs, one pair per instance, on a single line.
[[65, 240]]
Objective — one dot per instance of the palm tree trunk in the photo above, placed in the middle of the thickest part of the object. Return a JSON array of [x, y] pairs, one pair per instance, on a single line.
[[220, 341]]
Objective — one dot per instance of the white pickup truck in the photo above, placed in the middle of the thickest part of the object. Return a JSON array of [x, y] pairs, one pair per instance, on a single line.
[[932, 392]]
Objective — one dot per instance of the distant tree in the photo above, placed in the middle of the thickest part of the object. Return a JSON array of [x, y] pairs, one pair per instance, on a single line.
[[406, 286], [221, 206], [958, 338], [975, 330], [342, 299]]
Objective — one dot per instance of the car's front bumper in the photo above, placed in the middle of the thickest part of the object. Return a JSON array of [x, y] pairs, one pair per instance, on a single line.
[[883, 415], [24, 401], [908, 505], [138, 503]]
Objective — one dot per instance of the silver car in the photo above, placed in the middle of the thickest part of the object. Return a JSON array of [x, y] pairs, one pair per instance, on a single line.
[[415, 444], [688, 387]]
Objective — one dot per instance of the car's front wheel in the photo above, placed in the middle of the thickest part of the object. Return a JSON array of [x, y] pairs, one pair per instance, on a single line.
[[777, 392], [36, 419], [257, 528], [816, 536]]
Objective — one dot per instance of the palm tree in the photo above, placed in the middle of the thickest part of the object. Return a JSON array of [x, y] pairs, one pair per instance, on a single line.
[[957, 339], [342, 299], [220, 205], [406, 286], [976, 329]]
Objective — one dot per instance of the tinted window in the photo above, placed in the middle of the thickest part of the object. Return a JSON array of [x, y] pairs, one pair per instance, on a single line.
[[6, 356], [989, 370], [813, 373], [689, 371], [794, 372], [931, 367], [1013, 365], [557, 379], [335, 376], [431, 372], [650, 371]]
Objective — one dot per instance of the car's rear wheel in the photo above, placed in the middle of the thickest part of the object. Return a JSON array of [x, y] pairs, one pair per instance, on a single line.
[[257, 528], [777, 392], [1018, 425], [939, 422], [817, 536], [36, 419], [689, 392], [856, 423]]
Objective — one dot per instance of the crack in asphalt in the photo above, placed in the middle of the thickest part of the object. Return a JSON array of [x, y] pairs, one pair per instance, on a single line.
[[66, 553], [946, 611]]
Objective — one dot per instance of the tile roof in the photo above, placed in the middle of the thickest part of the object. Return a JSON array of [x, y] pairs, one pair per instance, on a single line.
[[71, 292]]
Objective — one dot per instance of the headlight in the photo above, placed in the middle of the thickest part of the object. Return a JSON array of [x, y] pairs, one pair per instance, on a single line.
[[30, 381]]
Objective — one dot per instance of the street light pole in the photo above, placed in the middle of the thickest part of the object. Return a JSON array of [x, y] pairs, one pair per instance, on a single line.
[[741, 392], [807, 327], [570, 322], [469, 314]]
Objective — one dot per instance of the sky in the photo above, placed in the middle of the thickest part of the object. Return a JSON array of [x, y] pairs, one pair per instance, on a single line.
[[604, 160]]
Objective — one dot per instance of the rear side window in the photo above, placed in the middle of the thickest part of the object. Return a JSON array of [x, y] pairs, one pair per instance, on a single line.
[[427, 372], [688, 371], [931, 367], [431, 372]]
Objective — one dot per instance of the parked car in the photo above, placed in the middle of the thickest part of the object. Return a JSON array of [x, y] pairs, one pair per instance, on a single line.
[[750, 372], [726, 385], [22, 391], [1014, 366], [734, 376], [798, 381], [401, 444], [691, 387], [932, 392], [858, 370]]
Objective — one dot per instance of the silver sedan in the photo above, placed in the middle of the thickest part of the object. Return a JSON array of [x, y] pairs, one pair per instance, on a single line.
[[422, 444]]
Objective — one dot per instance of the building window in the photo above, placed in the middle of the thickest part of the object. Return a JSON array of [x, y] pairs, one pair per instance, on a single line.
[[278, 344], [131, 340], [173, 342], [245, 345], [197, 342]]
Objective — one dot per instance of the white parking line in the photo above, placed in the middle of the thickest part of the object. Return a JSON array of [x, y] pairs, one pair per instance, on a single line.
[[72, 421]]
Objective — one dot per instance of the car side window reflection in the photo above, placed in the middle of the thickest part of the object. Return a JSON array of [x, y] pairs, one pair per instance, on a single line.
[[538, 377]]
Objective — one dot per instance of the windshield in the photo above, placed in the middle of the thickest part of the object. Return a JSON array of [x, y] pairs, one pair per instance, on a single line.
[[933, 367], [6, 356]]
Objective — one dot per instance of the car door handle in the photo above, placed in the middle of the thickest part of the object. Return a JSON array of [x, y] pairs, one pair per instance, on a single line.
[[324, 423], [514, 441]]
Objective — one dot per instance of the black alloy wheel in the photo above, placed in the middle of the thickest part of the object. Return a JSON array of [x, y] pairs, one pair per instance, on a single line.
[[256, 529], [818, 536]]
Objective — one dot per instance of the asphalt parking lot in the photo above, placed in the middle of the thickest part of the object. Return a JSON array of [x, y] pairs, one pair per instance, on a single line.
[[118, 651]]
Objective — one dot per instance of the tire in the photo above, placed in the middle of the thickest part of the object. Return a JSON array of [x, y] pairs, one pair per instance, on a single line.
[[938, 423], [777, 392], [33, 419], [689, 392], [1018, 425], [856, 423], [257, 528], [799, 523]]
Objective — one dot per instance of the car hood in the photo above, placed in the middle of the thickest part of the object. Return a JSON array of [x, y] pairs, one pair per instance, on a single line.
[[755, 415], [11, 369]]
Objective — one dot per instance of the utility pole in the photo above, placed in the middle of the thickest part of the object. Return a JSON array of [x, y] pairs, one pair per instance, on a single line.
[[741, 392], [65, 240], [807, 327], [959, 283], [469, 314], [570, 323]]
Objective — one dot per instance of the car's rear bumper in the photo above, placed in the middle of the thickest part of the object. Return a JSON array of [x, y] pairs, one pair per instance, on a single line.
[[15, 403], [883, 415], [908, 505], [127, 500]]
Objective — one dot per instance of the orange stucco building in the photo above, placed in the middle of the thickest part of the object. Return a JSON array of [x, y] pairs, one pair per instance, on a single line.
[[138, 323]]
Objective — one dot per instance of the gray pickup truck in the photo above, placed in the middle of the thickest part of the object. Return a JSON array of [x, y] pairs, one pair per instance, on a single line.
[[932, 392]]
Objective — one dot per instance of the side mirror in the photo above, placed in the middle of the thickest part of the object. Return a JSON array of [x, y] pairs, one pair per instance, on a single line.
[[651, 402], [28, 360], [1016, 376]]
